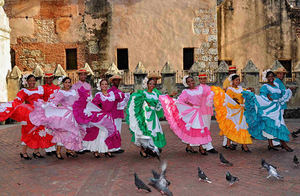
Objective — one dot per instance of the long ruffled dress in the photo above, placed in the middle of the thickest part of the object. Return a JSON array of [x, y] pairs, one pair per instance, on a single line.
[[265, 117], [230, 114], [191, 123], [143, 112], [33, 136], [96, 115], [57, 114]]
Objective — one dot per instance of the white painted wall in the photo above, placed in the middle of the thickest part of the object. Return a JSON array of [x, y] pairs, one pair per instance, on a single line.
[[5, 64]]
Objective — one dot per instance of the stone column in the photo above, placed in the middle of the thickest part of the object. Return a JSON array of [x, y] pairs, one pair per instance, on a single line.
[[222, 73], [5, 64], [140, 74], [250, 75], [168, 79]]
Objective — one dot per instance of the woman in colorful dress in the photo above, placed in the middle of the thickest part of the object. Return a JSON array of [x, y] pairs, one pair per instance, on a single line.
[[34, 137], [101, 133], [57, 114], [190, 115], [143, 113], [229, 108], [264, 113]]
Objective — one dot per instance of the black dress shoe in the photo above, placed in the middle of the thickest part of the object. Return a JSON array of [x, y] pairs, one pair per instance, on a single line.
[[119, 151], [287, 149], [190, 150], [213, 151], [25, 157], [229, 147], [37, 155], [272, 148], [248, 151], [234, 145]]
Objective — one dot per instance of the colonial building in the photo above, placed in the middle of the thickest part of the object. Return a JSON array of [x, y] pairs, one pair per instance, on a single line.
[[99, 32]]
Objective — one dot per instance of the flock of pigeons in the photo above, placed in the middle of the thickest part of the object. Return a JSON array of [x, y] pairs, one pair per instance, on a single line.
[[160, 183]]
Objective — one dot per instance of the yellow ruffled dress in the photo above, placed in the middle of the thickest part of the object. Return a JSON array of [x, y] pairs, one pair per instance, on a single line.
[[230, 114]]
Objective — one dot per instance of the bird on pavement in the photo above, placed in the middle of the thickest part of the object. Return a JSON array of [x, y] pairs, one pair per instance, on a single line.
[[296, 161], [272, 170], [231, 179], [224, 161], [140, 184], [202, 176]]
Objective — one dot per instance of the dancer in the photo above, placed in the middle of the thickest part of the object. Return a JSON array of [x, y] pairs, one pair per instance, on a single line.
[[49, 88], [57, 115], [32, 136], [190, 115], [143, 119], [101, 133], [229, 108], [231, 70], [118, 109], [264, 113]]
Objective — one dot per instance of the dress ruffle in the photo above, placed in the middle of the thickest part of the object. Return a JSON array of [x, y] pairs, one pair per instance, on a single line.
[[188, 135], [232, 130], [61, 120], [259, 120], [138, 122]]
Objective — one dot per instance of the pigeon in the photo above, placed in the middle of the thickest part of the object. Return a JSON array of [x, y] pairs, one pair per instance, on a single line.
[[296, 161], [294, 135], [231, 179], [140, 184], [224, 161], [202, 176], [157, 175], [161, 184], [272, 170]]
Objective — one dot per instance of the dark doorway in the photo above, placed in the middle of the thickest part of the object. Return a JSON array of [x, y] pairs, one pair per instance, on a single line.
[[188, 58], [287, 64], [71, 59], [122, 59]]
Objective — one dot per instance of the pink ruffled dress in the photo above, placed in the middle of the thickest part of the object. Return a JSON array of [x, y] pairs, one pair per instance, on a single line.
[[101, 132], [57, 114], [190, 115]]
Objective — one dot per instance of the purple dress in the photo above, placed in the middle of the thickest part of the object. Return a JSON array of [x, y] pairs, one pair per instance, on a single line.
[[97, 117], [57, 114]]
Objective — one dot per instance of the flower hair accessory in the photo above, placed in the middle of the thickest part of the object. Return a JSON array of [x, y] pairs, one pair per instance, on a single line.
[[24, 79], [184, 81], [264, 75], [144, 85], [60, 79], [98, 85]]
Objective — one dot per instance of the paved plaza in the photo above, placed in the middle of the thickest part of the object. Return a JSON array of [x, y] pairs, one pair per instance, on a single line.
[[86, 175]]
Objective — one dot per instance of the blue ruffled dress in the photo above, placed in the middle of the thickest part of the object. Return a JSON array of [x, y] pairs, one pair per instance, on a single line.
[[265, 117]]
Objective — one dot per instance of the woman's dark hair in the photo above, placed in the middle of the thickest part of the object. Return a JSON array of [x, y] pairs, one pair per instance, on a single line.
[[269, 73], [234, 77], [30, 76], [103, 81], [149, 80], [188, 78], [66, 78]]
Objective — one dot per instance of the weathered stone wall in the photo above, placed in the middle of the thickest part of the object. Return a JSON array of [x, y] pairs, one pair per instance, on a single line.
[[156, 31], [43, 29], [260, 30]]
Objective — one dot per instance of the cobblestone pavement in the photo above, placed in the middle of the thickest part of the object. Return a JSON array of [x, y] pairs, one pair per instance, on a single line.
[[86, 175]]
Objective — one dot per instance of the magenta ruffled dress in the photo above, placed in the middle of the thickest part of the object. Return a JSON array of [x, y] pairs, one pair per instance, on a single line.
[[96, 115], [190, 115], [57, 114]]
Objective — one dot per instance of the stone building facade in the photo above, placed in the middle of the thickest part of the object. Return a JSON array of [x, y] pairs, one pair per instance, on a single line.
[[259, 30], [51, 32]]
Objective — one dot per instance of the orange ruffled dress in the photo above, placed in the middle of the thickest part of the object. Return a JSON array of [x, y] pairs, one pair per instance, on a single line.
[[230, 114]]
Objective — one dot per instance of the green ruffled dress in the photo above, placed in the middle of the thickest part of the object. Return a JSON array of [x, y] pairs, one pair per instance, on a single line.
[[143, 113]]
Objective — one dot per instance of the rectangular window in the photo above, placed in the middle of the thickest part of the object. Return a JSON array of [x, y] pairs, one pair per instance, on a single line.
[[188, 58], [287, 64], [71, 59], [122, 59], [228, 62]]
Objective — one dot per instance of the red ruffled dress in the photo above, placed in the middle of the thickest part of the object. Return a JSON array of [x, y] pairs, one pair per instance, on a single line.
[[19, 110]]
